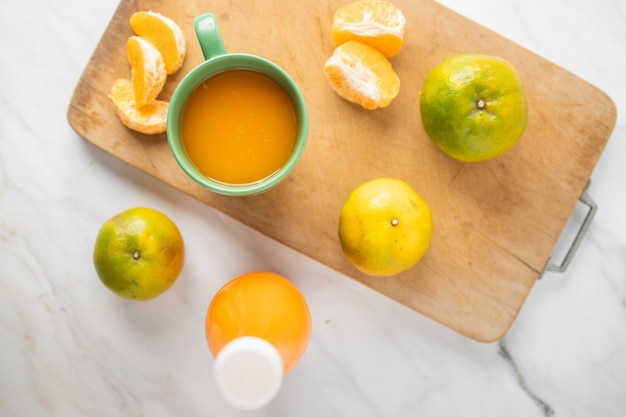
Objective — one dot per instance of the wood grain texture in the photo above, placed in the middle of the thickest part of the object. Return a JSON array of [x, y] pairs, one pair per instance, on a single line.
[[496, 222]]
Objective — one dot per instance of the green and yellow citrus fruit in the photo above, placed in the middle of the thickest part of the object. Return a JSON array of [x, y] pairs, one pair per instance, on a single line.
[[385, 227], [474, 107], [139, 253]]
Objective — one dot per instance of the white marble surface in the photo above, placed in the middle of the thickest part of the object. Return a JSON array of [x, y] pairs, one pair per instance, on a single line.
[[68, 347]]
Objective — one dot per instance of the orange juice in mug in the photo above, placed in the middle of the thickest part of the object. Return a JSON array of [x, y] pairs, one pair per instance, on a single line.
[[237, 123], [239, 127]]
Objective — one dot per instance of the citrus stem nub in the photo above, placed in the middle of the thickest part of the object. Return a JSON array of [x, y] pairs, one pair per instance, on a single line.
[[480, 104], [136, 255], [394, 222]]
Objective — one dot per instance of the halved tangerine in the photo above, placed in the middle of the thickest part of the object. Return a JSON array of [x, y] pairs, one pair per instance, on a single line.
[[379, 24], [361, 74], [149, 119]]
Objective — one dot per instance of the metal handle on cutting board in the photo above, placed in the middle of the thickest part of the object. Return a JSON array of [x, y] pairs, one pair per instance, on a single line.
[[593, 207]]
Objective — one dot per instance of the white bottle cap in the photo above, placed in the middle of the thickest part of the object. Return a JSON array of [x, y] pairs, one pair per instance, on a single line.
[[249, 372]]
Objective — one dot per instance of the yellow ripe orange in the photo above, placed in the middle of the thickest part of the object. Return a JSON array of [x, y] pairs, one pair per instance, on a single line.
[[164, 34], [474, 107], [379, 24], [385, 227], [139, 253], [149, 119], [362, 75], [147, 70]]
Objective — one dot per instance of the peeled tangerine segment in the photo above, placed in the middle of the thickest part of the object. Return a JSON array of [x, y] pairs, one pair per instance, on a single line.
[[164, 34], [362, 75], [149, 119], [379, 24], [147, 70]]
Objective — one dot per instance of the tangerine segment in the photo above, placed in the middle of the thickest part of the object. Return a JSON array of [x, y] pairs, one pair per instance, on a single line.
[[149, 119], [362, 75], [379, 24], [164, 34], [147, 70]]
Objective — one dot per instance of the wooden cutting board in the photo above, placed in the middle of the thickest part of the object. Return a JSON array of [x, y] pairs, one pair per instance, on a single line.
[[496, 222]]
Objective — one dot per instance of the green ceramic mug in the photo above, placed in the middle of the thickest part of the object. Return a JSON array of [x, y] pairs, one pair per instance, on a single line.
[[217, 61]]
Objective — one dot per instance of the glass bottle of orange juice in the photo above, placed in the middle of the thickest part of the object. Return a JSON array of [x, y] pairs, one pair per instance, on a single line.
[[257, 327]]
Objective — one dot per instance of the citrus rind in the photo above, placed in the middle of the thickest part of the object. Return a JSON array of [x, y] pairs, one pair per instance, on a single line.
[[385, 227], [473, 107], [139, 253]]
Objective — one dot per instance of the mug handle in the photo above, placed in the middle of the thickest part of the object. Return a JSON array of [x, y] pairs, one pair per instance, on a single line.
[[209, 35]]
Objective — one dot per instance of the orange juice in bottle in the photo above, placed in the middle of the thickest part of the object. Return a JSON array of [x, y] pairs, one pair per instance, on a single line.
[[257, 327]]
